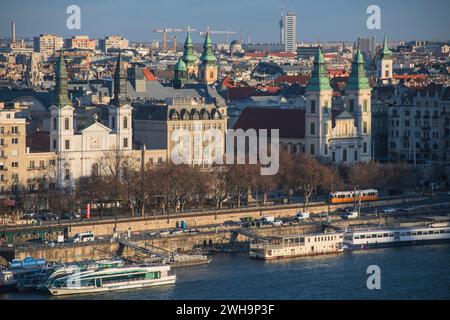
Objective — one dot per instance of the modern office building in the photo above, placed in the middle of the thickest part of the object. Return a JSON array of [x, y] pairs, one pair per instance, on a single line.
[[290, 32]]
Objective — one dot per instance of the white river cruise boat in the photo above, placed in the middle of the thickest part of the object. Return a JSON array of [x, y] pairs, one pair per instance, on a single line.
[[297, 246], [378, 237], [111, 279]]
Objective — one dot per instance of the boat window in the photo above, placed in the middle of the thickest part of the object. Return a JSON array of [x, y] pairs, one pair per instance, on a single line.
[[380, 235], [363, 236], [356, 237], [408, 233], [442, 231], [419, 233], [385, 235]]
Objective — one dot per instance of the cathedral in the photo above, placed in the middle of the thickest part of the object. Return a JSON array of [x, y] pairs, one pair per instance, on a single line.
[[80, 148], [187, 70], [338, 135]]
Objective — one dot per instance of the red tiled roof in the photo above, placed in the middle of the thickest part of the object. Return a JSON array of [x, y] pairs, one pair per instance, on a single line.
[[148, 75], [39, 141], [238, 93], [228, 82], [282, 54], [290, 122], [300, 79], [410, 76], [255, 54]]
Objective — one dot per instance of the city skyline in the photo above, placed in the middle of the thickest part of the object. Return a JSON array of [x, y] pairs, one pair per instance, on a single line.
[[136, 19]]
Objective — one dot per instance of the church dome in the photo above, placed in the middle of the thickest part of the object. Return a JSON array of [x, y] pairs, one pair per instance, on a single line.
[[180, 66]]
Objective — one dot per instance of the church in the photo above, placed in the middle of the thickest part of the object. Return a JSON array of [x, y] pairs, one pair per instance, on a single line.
[[187, 70], [79, 148], [337, 135]]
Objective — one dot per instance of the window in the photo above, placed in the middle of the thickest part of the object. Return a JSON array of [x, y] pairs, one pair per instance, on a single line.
[[15, 130], [54, 143], [365, 127], [125, 142], [344, 155], [325, 148], [356, 155], [351, 104], [365, 147], [125, 122], [113, 122], [66, 124], [312, 129], [14, 164], [67, 144], [365, 106], [15, 141], [67, 174], [31, 165], [312, 149], [313, 106], [55, 123]]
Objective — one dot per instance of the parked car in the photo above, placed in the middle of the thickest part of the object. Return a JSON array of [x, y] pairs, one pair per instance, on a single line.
[[350, 215], [277, 223], [84, 237], [302, 216], [388, 210]]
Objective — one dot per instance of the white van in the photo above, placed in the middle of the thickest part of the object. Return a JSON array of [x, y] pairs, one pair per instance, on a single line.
[[302, 216], [84, 237], [268, 219]]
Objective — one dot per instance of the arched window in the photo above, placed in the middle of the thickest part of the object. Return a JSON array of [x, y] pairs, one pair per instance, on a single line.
[[125, 122], [66, 124], [365, 127], [365, 147], [55, 123]]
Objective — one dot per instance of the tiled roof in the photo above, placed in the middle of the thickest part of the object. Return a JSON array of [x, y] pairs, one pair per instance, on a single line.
[[303, 80], [290, 122], [148, 75], [39, 141]]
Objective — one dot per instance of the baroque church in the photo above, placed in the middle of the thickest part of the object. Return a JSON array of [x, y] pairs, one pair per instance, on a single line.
[[79, 148], [187, 70], [338, 135]]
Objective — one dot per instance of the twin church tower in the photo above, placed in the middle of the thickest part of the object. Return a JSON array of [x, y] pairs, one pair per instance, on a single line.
[[187, 70]]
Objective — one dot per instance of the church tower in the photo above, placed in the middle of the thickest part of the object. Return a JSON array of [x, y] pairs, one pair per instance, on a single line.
[[120, 112], [318, 109], [358, 103], [208, 68], [189, 58], [181, 75], [385, 64], [62, 123]]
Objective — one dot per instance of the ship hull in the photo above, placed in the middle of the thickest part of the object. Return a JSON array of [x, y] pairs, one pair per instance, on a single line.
[[113, 287], [393, 244]]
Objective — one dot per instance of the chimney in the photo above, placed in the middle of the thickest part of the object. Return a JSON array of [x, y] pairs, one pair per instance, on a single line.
[[13, 32]]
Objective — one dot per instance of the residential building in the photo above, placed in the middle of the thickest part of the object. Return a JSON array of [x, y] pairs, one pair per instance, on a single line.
[[81, 42], [48, 44], [113, 42]]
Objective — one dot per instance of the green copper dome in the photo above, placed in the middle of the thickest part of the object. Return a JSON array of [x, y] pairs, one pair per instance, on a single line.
[[208, 56], [319, 79], [180, 66], [358, 79], [189, 57], [61, 93], [386, 53]]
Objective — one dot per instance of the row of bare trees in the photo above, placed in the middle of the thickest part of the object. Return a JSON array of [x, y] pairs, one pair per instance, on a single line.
[[170, 187]]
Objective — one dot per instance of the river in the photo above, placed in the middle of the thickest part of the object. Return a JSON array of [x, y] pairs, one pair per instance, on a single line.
[[420, 272]]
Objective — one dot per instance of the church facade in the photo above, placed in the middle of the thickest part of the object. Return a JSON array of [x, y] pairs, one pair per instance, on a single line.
[[79, 150], [338, 135]]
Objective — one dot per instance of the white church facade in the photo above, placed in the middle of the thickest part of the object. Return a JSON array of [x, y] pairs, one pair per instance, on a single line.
[[79, 152]]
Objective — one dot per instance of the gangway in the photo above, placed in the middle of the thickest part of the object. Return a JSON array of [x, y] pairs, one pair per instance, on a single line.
[[146, 251], [247, 233]]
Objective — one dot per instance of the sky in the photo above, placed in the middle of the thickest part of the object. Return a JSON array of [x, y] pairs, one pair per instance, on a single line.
[[317, 20]]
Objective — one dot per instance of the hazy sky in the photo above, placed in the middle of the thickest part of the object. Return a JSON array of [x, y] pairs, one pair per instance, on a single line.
[[317, 20]]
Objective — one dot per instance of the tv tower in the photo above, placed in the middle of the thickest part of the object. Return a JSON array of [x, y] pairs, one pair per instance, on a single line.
[[281, 24]]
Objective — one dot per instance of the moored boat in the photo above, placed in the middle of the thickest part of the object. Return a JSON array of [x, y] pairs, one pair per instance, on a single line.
[[111, 279]]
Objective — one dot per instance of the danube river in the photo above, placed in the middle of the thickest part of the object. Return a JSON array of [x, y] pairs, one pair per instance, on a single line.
[[420, 272]]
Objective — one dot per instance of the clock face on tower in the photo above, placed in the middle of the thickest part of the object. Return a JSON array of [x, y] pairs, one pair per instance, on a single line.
[[95, 143]]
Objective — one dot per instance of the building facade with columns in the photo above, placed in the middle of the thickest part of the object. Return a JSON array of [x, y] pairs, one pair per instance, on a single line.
[[338, 135], [79, 149]]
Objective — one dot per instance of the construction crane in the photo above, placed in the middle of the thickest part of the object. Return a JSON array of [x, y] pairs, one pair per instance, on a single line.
[[171, 30], [225, 32]]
